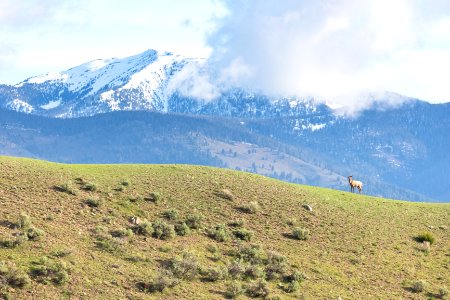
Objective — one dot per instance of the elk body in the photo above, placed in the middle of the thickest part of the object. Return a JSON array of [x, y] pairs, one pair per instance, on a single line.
[[354, 183]]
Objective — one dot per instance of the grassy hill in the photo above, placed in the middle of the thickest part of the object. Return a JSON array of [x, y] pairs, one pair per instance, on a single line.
[[69, 231]]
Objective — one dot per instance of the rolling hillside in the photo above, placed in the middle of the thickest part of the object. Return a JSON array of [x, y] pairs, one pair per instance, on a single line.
[[129, 231], [149, 137]]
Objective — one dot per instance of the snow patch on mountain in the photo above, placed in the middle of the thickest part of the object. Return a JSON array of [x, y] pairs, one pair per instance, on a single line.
[[20, 106], [51, 105]]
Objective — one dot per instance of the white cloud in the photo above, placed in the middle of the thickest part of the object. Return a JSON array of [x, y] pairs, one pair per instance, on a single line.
[[337, 50], [193, 81]]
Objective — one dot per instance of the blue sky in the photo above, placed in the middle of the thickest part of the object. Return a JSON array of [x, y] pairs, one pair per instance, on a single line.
[[333, 49]]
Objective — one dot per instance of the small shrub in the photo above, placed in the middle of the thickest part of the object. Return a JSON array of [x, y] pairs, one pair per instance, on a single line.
[[24, 221], [184, 266], [234, 289], [144, 228], [243, 234], [250, 208], [34, 234], [258, 289], [13, 276], [137, 258], [61, 253], [154, 197], [165, 248], [182, 229], [216, 254], [125, 182], [214, 274], [225, 194], [236, 269], [291, 287], [135, 199], [93, 202], [194, 221], [254, 272], [251, 253], [89, 186], [107, 243], [170, 214], [295, 276], [67, 188], [443, 293], [212, 248], [14, 242], [291, 222], [276, 265], [236, 223], [122, 233], [218, 233], [162, 230], [418, 286], [120, 188], [48, 270], [100, 230], [300, 233], [159, 284], [80, 180], [426, 237]]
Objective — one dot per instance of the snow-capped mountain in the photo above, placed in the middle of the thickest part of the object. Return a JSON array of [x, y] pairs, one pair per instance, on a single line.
[[147, 81], [134, 83]]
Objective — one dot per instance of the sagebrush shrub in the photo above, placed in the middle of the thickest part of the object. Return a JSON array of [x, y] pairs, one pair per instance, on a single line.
[[214, 274], [418, 286], [125, 182], [163, 281], [251, 253], [34, 233], [24, 221], [276, 265], [107, 245], [243, 234], [94, 202], [237, 223], [237, 269], [48, 270], [170, 214], [234, 289], [226, 194], [258, 289], [184, 266], [300, 233], [13, 276], [144, 228], [291, 287], [296, 275], [61, 253], [122, 232], [182, 229], [426, 237], [443, 293], [163, 230], [67, 187], [254, 272], [154, 197], [251, 207], [89, 186], [194, 221], [219, 233]]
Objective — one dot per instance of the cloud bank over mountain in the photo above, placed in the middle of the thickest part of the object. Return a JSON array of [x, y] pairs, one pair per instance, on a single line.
[[336, 50]]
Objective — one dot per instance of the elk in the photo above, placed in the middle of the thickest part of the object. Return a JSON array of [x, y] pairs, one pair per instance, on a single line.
[[354, 183]]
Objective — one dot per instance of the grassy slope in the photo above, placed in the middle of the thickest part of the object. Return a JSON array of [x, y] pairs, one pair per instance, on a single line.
[[360, 247]]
